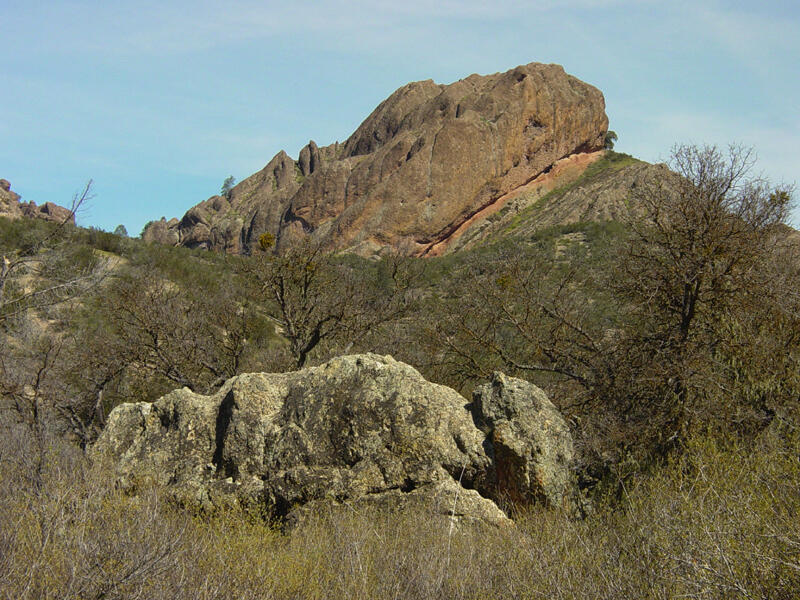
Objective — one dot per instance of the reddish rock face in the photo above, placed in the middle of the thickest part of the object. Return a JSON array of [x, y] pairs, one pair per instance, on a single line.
[[417, 169]]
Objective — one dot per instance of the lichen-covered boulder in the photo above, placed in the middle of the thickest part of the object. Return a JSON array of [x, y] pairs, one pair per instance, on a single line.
[[362, 431], [446, 500], [530, 443], [354, 427]]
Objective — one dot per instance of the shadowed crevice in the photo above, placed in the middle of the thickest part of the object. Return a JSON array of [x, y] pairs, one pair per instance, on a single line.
[[223, 422]]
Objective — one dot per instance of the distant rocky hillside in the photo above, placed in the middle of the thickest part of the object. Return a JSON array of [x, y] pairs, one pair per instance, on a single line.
[[12, 208], [428, 162]]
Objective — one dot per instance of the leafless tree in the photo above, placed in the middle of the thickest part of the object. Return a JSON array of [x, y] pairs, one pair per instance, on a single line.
[[317, 298], [157, 326], [42, 270], [525, 314], [693, 262], [652, 337]]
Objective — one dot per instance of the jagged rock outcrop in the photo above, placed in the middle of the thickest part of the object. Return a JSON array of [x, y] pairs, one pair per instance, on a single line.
[[361, 431], [12, 208], [422, 164], [5, 191], [162, 232]]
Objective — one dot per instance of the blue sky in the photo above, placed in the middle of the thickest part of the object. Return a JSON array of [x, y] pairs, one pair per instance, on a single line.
[[158, 102]]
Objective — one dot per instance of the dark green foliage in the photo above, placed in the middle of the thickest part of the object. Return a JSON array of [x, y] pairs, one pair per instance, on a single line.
[[22, 233], [227, 186], [103, 240], [611, 138]]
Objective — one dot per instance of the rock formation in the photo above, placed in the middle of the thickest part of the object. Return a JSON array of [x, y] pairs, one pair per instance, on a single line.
[[12, 208], [532, 446], [421, 165], [360, 431]]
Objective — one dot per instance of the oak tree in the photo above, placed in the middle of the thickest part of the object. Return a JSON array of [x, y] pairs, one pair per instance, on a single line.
[[316, 297]]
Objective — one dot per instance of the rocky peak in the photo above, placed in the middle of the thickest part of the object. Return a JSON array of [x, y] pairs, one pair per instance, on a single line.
[[309, 160], [392, 116], [419, 168]]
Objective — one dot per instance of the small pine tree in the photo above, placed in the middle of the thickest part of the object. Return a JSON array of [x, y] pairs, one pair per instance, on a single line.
[[121, 231], [227, 186], [611, 137]]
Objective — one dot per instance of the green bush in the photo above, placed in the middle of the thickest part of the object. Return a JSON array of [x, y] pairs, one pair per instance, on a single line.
[[103, 240]]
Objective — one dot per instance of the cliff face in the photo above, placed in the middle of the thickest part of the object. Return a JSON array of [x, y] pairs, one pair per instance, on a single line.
[[425, 162]]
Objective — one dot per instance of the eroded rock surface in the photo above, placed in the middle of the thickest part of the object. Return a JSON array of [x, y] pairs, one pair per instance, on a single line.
[[362, 431], [531, 443], [416, 170]]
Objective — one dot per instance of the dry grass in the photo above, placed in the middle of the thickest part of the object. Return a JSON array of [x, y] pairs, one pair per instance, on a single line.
[[720, 522]]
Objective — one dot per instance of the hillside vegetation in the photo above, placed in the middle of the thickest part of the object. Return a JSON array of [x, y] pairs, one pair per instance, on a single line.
[[669, 339]]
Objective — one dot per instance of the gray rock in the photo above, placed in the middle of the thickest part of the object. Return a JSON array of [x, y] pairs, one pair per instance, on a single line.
[[445, 500], [353, 427], [160, 232], [530, 444], [361, 431]]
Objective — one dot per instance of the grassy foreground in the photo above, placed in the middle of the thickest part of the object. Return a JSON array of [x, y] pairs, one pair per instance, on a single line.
[[718, 522]]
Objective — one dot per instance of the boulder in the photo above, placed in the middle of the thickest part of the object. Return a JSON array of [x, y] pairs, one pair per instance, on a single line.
[[530, 444], [445, 500], [9, 201], [361, 431], [56, 213], [419, 168]]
